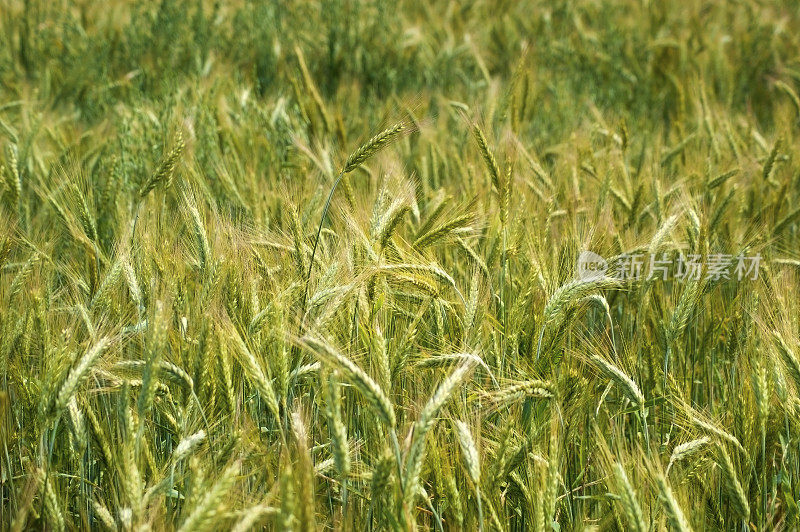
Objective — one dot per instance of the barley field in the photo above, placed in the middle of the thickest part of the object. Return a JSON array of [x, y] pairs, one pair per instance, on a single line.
[[399, 265]]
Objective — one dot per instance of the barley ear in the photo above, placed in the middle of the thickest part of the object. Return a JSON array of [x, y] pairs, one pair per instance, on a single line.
[[672, 509], [426, 420], [166, 169], [368, 388], [731, 485], [77, 374], [373, 146], [469, 451], [629, 500]]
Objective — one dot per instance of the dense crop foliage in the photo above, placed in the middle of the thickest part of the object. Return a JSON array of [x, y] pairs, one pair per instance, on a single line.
[[298, 265]]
